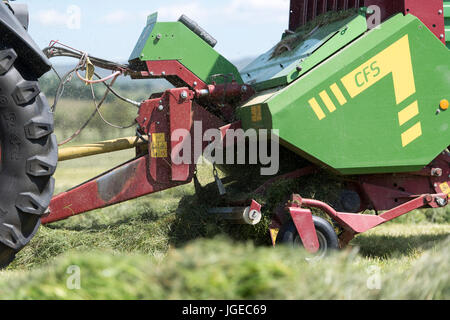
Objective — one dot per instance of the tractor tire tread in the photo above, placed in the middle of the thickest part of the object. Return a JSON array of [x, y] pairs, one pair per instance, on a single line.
[[29, 155]]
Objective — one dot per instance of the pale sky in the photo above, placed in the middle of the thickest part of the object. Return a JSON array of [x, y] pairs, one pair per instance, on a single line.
[[110, 29]]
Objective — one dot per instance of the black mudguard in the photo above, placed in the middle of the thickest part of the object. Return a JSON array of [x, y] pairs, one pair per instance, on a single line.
[[14, 35]]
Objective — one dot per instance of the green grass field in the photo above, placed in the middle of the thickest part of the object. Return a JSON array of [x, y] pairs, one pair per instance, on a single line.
[[162, 246], [140, 250]]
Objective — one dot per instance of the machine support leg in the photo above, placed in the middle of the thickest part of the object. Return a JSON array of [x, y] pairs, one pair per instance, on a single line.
[[304, 223]]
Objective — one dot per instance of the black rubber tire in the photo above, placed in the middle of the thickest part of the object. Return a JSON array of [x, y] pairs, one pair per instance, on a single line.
[[29, 156], [328, 239]]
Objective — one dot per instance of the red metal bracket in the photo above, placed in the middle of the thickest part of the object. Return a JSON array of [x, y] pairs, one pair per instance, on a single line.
[[304, 223], [172, 70], [180, 113], [255, 206]]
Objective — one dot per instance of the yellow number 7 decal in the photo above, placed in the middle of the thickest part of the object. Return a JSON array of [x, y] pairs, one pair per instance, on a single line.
[[395, 59]]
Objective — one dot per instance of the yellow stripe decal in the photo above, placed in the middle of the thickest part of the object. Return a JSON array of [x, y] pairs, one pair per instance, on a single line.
[[338, 93], [395, 59], [411, 134], [328, 103], [315, 106], [408, 113]]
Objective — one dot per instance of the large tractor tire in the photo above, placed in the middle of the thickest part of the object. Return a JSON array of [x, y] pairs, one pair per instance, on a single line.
[[29, 155]]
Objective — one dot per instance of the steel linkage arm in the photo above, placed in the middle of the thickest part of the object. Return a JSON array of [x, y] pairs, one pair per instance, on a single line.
[[126, 182]]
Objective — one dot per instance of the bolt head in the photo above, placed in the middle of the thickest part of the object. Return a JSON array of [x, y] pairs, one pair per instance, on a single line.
[[161, 107], [440, 11], [195, 83], [163, 73], [184, 95]]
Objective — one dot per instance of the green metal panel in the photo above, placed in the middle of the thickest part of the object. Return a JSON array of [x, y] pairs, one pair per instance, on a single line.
[[174, 41], [383, 93], [267, 72], [447, 21]]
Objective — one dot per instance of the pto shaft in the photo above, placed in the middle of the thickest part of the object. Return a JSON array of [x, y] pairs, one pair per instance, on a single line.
[[87, 150]]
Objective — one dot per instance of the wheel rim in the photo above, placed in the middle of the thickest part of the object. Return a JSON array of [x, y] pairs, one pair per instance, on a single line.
[[323, 247]]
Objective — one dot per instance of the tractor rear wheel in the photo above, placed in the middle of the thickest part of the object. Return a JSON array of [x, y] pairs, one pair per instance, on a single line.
[[28, 155], [328, 240]]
